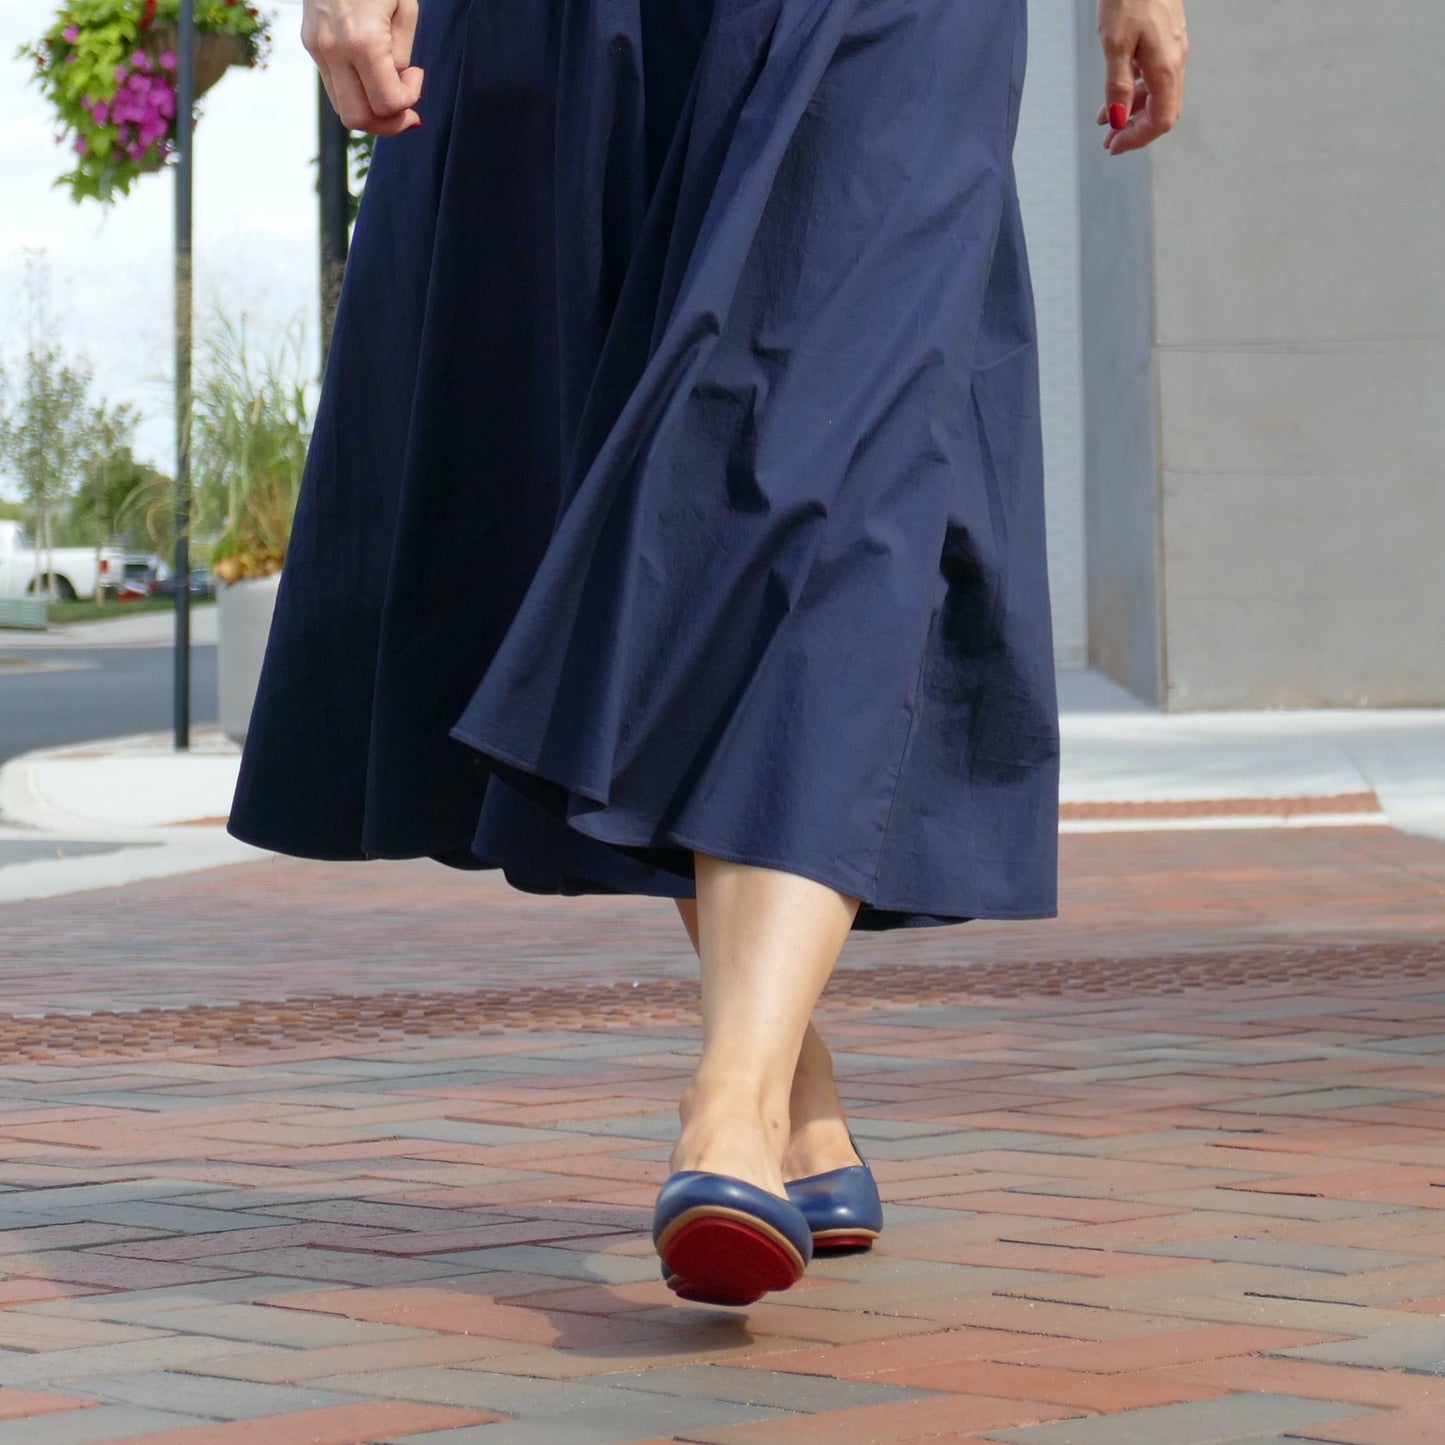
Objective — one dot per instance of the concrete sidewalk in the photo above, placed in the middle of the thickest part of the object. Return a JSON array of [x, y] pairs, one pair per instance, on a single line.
[[139, 629], [1125, 768]]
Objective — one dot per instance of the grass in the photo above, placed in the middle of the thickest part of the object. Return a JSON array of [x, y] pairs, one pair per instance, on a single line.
[[84, 610]]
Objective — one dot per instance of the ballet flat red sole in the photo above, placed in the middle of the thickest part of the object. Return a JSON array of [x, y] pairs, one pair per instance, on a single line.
[[726, 1257], [826, 1239]]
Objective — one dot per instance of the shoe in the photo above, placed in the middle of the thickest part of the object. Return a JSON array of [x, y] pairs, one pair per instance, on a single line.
[[842, 1206], [724, 1241]]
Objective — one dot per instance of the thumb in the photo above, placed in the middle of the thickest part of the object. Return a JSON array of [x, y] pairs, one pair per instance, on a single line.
[[1119, 82]]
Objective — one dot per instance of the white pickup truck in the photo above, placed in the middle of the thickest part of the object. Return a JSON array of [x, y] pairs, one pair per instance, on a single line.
[[79, 571]]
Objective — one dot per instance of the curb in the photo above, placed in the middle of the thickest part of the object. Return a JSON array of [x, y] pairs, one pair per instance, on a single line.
[[161, 847]]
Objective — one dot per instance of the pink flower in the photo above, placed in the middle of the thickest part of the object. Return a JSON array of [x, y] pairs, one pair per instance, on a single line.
[[81, 145], [168, 60], [71, 33], [140, 60], [101, 112], [121, 72], [135, 150]]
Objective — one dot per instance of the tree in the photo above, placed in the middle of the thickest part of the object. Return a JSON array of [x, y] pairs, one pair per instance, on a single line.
[[115, 486], [47, 425]]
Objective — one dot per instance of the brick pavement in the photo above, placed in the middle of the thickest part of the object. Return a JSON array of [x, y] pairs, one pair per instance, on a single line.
[[377, 1164]]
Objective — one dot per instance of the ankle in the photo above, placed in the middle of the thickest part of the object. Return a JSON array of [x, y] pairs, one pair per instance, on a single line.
[[717, 1093], [818, 1146], [738, 1143], [735, 1109]]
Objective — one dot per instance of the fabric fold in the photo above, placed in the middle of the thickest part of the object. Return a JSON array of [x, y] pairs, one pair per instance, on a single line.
[[715, 517]]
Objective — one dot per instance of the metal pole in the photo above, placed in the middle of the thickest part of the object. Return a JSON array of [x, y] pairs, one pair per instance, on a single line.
[[181, 573], [333, 186]]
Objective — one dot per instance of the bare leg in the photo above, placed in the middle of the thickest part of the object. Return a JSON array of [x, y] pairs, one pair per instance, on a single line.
[[818, 1139], [767, 941]]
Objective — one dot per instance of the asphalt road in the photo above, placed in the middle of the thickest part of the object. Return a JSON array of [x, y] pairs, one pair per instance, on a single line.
[[95, 693]]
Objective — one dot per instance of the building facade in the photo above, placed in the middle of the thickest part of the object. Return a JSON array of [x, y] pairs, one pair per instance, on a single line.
[[1242, 337]]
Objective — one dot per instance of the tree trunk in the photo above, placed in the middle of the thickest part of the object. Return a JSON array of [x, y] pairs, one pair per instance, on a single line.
[[50, 588]]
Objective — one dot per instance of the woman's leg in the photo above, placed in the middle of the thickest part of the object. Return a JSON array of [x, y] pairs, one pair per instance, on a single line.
[[767, 942], [818, 1125], [819, 1140]]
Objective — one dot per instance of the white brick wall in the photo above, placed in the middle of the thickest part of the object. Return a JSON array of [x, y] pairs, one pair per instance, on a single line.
[[1047, 160]]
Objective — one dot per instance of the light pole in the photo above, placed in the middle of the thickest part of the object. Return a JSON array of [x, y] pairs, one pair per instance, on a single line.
[[181, 573], [333, 187]]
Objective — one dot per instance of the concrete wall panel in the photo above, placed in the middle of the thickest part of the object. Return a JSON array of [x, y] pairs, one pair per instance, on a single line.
[[1121, 457], [1046, 160], [1303, 197], [1349, 409], [1292, 231]]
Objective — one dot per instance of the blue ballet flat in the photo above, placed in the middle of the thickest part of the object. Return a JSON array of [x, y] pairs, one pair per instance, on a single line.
[[724, 1241], [842, 1206]]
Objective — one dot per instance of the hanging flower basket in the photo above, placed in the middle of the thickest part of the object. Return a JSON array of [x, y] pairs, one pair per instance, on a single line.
[[216, 52], [109, 69]]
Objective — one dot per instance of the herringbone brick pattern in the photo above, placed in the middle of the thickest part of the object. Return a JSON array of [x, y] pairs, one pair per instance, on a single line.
[[1138, 1194]]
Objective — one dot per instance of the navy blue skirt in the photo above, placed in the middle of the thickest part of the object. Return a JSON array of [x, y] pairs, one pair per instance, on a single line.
[[676, 482]]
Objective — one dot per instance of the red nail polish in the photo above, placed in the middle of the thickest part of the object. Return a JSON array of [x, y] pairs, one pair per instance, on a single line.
[[1118, 115]]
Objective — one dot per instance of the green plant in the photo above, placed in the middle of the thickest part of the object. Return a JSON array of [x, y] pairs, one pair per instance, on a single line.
[[108, 68], [50, 429], [252, 427]]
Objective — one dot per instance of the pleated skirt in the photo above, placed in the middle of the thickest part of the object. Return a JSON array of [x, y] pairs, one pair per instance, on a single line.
[[676, 483]]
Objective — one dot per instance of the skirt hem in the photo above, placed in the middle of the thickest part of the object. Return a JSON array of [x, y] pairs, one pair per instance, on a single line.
[[875, 913]]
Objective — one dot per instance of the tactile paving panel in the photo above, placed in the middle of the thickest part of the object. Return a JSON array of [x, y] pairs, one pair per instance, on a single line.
[[337, 1017]]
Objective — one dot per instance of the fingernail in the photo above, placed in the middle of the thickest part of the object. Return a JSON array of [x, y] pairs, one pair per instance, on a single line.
[[1118, 115]]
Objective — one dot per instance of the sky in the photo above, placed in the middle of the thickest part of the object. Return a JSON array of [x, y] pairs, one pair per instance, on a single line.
[[110, 267]]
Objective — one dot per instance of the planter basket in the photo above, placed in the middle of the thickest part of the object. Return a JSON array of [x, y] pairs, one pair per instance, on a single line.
[[215, 54]]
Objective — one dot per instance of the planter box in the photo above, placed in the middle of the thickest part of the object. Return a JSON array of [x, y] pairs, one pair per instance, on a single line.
[[24, 611], [243, 619]]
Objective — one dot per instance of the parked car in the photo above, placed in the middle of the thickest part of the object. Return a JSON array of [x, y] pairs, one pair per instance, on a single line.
[[137, 580], [77, 571], [126, 575], [203, 583]]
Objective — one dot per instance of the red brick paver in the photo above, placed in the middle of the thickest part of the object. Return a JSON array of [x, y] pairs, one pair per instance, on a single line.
[[367, 1153], [346, 1425]]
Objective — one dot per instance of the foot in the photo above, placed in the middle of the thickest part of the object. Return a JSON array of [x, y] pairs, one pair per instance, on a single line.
[[819, 1139], [818, 1147], [726, 1131], [725, 1242]]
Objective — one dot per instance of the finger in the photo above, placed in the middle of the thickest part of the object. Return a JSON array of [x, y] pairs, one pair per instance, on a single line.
[[1119, 47], [388, 91], [1161, 66], [349, 98], [1140, 96], [403, 33], [1144, 127]]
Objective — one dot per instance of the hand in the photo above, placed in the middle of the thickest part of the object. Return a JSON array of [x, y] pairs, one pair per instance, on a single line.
[[363, 50], [1146, 45]]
